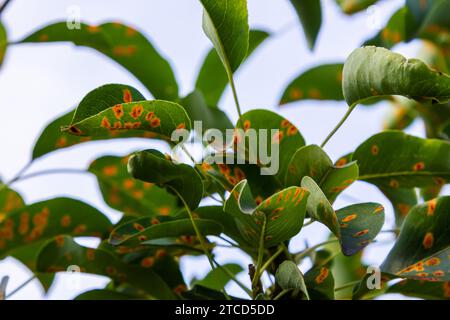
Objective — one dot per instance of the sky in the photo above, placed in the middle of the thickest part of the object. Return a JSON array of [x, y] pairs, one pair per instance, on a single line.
[[39, 82]]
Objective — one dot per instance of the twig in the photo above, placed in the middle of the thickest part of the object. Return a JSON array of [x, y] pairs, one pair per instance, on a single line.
[[4, 5], [21, 286]]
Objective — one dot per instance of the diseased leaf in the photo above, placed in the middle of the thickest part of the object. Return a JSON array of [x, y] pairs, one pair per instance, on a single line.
[[400, 27], [283, 214], [3, 43], [212, 78], [121, 192], [143, 229], [289, 276], [123, 44], [353, 6], [375, 72], [312, 161], [47, 219], [323, 82], [319, 279], [227, 176], [401, 115], [422, 289], [226, 25], [359, 225], [310, 15], [269, 134], [355, 226], [422, 249], [217, 279], [153, 167], [9, 200], [63, 252], [114, 108], [393, 159], [402, 201]]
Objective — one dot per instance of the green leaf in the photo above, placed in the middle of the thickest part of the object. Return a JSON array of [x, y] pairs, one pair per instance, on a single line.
[[149, 228], [105, 294], [212, 78], [202, 293], [217, 279], [46, 219], [63, 252], [198, 110], [359, 225], [374, 72], [422, 249], [123, 44], [312, 161], [319, 279], [283, 212], [421, 289], [226, 25], [288, 139], [393, 159], [115, 108], [318, 206], [310, 15], [152, 166], [323, 82], [28, 256], [121, 192], [354, 6], [217, 213], [3, 43], [289, 276]]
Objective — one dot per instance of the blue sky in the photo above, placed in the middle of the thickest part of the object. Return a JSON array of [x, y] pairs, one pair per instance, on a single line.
[[40, 82]]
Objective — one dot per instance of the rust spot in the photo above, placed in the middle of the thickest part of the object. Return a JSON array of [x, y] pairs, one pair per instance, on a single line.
[[349, 218], [431, 207], [375, 150], [136, 111], [428, 240], [147, 262], [322, 275], [118, 111], [292, 130], [296, 94], [361, 233], [419, 166]]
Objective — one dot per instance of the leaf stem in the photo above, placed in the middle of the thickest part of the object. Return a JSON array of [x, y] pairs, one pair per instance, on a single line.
[[347, 285], [307, 251], [197, 231], [281, 294], [41, 173], [232, 277], [260, 255], [236, 99], [270, 260], [330, 135], [21, 287]]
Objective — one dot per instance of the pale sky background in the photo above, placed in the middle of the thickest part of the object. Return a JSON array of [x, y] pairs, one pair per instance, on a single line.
[[40, 82]]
